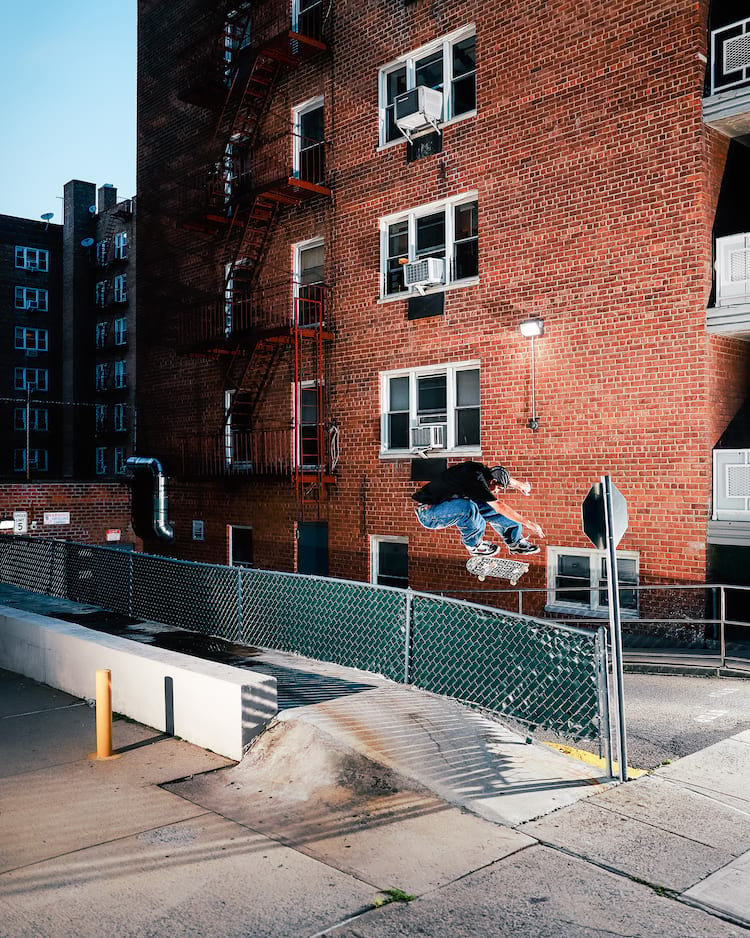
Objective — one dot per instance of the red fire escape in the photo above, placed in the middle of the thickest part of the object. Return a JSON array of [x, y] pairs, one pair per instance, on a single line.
[[251, 326]]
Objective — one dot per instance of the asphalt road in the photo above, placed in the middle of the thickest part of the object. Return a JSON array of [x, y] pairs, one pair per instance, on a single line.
[[670, 715]]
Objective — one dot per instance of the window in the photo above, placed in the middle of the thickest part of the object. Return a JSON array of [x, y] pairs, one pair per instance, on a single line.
[[309, 146], [307, 17], [577, 581], [37, 460], [119, 418], [121, 331], [101, 293], [102, 253], [30, 379], [101, 377], [121, 375], [238, 437], [431, 408], [444, 230], [119, 459], [309, 443], [100, 417], [101, 334], [447, 65], [121, 245], [101, 460], [32, 258], [120, 292], [38, 419], [31, 340], [389, 561], [309, 260], [31, 298], [240, 546]]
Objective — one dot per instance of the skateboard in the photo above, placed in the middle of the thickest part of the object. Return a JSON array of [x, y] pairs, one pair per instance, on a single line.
[[483, 567]]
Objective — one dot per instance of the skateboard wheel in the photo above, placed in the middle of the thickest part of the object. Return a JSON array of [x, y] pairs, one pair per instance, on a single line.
[[482, 579]]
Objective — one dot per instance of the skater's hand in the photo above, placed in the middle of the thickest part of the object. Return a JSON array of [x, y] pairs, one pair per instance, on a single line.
[[536, 529], [524, 487]]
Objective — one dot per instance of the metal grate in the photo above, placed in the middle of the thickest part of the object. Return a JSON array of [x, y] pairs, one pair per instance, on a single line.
[[738, 481], [737, 53], [739, 265]]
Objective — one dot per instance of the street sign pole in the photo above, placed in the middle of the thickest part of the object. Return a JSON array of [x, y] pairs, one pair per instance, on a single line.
[[613, 594]]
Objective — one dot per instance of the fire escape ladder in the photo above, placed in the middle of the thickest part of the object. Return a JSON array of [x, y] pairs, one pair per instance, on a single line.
[[251, 232], [311, 439]]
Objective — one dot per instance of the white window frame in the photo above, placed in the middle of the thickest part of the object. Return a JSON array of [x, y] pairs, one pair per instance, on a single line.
[[39, 419], [231, 528], [297, 390], [313, 104], [121, 373], [31, 298], [32, 258], [121, 331], [38, 460], [39, 379], [28, 339], [100, 377], [100, 293], [413, 374], [101, 334], [448, 207], [594, 609], [121, 245], [100, 456], [375, 541], [118, 456], [120, 288], [298, 250], [409, 60]]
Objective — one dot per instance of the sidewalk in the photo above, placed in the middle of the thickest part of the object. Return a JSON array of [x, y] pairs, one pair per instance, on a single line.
[[359, 787]]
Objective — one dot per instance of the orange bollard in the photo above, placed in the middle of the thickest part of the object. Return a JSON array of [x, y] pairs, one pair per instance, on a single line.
[[103, 717]]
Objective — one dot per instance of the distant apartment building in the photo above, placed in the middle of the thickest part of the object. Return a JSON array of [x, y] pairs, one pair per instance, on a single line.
[[67, 352], [30, 348], [98, 329], [353, 215]]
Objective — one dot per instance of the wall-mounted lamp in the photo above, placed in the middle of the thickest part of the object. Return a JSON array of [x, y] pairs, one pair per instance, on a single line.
[[531, 329]]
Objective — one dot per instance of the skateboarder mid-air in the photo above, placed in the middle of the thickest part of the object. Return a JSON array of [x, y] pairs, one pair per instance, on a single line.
[[467, 495]]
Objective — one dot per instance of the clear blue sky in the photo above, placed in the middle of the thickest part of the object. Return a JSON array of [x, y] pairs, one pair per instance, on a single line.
[[67, 100]]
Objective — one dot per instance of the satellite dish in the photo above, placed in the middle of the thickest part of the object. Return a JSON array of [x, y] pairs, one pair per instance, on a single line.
[[47, 216], [87, 242], [92, 209]]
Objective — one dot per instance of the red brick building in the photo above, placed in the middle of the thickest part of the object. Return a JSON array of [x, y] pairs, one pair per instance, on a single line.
[[577, 165]]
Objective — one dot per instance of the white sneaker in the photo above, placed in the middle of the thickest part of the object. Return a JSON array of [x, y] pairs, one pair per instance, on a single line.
[[483, 549]]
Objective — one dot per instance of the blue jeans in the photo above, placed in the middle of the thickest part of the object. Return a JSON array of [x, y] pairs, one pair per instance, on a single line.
[[470, 518]]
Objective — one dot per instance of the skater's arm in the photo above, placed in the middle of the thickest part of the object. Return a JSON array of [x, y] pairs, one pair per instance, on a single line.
[[504, 509]]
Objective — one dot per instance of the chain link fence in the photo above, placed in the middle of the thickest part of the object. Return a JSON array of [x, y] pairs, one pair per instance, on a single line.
[[538, 673]]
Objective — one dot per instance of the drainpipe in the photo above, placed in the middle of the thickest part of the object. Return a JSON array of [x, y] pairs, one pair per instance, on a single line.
[[161, 526]]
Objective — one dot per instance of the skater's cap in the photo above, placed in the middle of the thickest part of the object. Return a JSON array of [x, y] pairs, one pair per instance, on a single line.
[[501, 475]]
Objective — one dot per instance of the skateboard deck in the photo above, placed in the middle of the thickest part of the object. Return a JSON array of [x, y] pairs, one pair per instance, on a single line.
[[499, 567]]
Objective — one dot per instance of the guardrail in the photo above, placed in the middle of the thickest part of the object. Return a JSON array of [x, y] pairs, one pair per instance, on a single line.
[[705, 625], [541, 674]]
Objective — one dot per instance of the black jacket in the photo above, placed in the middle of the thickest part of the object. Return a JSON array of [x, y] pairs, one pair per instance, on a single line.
[[466, 480]]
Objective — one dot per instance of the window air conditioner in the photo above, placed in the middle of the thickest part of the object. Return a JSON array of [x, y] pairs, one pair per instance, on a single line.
[[429, 436], [424, 273], [417, 109], [32, 304]]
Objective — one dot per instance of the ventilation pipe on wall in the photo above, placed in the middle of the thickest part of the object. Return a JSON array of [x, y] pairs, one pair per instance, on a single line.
[[149, 498]]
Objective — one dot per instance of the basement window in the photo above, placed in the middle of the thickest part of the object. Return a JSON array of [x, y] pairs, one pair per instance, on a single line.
[[577, 581]]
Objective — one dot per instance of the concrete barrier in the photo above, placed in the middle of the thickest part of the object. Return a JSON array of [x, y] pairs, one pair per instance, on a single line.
[[213, 705]]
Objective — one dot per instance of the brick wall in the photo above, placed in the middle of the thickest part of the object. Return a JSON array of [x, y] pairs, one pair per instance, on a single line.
[[596, 184], [94, 508]]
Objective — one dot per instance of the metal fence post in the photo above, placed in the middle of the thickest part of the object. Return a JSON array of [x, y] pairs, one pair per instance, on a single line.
[[723, 626], [239, 605], [409, 596]]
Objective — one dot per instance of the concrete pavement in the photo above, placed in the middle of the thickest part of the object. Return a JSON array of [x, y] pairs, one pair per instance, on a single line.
[[373, 811]]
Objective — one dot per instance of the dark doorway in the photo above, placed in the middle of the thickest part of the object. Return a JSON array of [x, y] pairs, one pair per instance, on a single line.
[[312, 548]]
